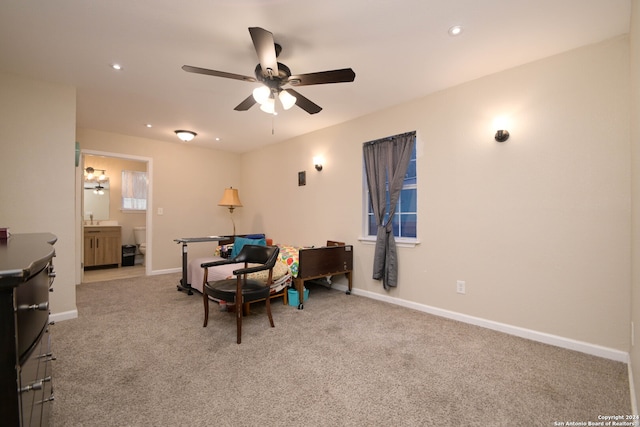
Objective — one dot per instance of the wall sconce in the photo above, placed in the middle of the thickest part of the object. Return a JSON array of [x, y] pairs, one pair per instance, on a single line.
[[502, 135], [230, 200], [317, 162], [185, 135], [500, 124]]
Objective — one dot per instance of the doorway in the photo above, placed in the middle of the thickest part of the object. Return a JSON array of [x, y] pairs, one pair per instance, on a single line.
[[92, 208]]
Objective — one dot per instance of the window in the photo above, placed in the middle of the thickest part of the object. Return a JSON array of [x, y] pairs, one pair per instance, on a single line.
[[134, 190], [405, 218]]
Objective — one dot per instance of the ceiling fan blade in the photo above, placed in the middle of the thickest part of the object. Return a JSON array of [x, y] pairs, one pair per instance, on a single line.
[[343, 75], [304, 103], [246, 104], [215, 73], [266, 50]]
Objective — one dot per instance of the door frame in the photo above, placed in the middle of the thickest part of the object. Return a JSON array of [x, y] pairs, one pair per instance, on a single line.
[[149, 216]]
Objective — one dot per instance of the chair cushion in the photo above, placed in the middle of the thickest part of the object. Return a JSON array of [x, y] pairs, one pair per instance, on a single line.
[[225, 290]]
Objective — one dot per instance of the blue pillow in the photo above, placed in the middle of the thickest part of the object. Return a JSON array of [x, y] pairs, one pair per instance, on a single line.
[[239, 242]]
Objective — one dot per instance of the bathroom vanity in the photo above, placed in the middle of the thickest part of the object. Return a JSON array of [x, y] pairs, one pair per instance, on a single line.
[[102, 246]]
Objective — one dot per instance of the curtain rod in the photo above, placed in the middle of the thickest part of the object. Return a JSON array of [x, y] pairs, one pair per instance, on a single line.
[[390, 138]]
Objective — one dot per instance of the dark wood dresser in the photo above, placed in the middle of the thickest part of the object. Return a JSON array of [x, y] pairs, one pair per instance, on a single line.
[[26, 277]]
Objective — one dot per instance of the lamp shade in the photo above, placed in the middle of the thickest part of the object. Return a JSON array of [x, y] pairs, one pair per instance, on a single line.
[[261, 94], [230, 198], [269, 106], [287, 99]]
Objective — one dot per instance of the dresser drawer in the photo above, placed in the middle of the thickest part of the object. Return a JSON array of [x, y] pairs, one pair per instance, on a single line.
[[32, 301], [35, 383]]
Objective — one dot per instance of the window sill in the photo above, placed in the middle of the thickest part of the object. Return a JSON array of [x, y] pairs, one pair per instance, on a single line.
[[133, 211], [400, 242]]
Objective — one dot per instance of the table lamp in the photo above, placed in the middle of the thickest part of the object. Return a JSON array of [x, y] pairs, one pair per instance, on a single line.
[[231, 200]]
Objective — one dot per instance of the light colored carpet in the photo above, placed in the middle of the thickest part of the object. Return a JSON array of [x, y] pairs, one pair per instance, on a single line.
[[139, 356]]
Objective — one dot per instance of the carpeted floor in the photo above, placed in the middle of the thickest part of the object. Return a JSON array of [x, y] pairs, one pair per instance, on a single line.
[[139, 356]]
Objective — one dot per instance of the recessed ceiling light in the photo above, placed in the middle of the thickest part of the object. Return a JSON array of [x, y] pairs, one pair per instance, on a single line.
[[149, 125], [217, 139], [456, 30], [116, 66]]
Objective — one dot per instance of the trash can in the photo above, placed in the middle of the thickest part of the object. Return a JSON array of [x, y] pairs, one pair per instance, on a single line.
[[128, 255]]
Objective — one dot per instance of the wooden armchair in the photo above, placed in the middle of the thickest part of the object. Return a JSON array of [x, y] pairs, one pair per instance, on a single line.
[[241, 290]]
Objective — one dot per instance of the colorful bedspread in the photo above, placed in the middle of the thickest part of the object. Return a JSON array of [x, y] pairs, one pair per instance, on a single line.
[[289, 256]]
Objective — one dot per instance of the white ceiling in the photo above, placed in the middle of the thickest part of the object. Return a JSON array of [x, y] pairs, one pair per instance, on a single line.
[[399, 49]]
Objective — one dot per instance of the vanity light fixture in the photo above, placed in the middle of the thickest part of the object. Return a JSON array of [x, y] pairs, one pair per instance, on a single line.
[[185, 135], [91, 174]]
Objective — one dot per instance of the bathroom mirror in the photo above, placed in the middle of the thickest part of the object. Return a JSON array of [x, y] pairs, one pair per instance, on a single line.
[[96, 200]]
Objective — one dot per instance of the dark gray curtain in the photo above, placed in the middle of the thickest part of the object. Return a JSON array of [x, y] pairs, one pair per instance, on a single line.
[[386, 160]]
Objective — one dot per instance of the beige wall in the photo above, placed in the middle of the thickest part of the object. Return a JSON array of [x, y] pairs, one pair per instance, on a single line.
[[538, 227], [186, 182], [37, 173], [635, 194]]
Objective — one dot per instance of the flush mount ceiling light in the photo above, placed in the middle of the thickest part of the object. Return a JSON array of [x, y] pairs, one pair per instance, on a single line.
[[116, 66], [456, 30], [185, 135]]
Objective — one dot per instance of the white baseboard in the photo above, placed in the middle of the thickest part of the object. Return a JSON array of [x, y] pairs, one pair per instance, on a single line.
[[167, 271], [570, 344], [632, 391], [65, 315]]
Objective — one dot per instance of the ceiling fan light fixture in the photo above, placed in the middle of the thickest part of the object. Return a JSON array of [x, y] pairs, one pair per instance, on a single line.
[[269, 106], [287, 99], [185, 135], [274, 75], [261, 94]]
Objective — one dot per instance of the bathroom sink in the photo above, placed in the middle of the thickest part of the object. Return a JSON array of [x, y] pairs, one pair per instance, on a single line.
[[105, 223]]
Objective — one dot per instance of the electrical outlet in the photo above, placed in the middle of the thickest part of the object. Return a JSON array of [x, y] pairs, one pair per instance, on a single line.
[[461, 286]]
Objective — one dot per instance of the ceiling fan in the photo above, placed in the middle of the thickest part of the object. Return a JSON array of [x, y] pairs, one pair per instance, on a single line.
[[274, 75]]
